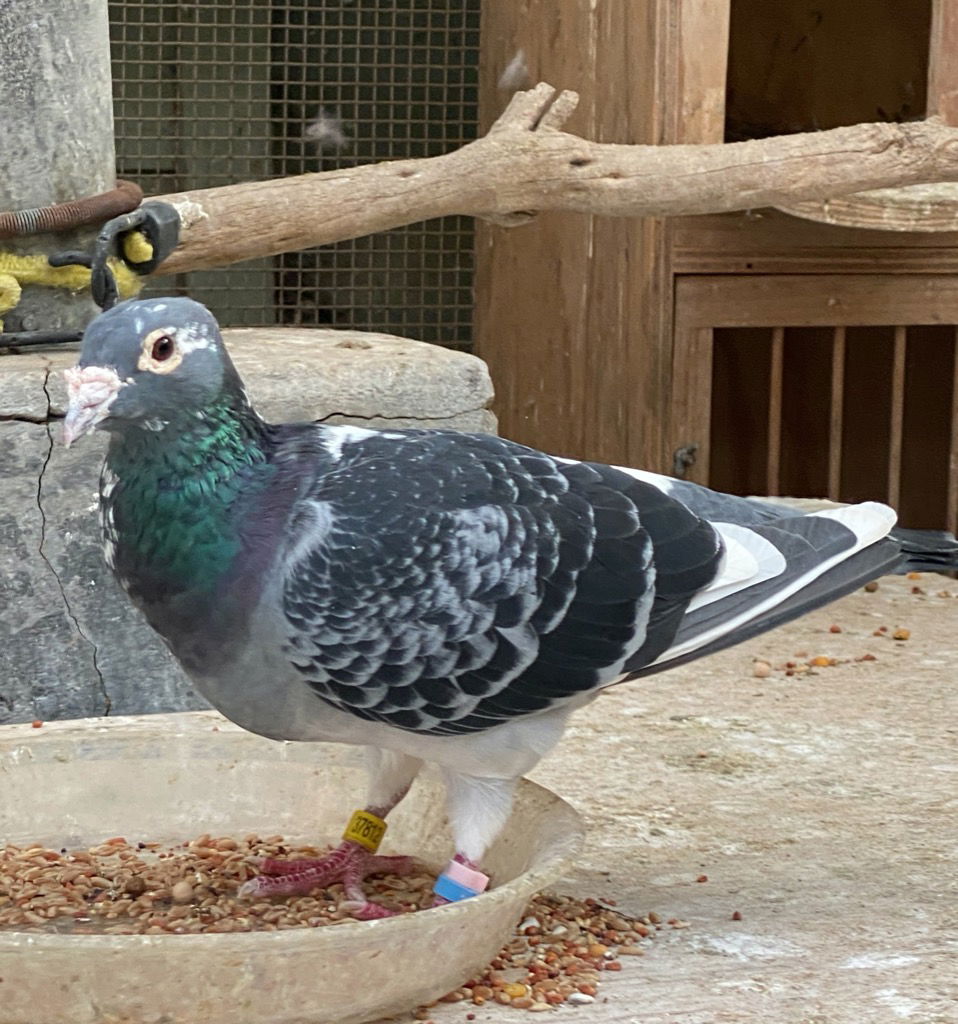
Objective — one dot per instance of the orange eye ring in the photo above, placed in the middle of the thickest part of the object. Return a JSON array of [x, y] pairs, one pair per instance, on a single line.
[[160, 352]]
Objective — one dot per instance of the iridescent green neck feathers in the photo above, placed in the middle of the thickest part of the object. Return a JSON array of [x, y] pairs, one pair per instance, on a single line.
[[173, 497]]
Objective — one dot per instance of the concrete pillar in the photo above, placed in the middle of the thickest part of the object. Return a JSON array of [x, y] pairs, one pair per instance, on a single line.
[[56, 112]]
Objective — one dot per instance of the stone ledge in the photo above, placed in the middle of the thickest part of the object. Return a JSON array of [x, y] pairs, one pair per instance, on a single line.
[[305, 374]]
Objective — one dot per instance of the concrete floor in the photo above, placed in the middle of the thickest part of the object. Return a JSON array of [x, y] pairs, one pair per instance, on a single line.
[[823, 807]]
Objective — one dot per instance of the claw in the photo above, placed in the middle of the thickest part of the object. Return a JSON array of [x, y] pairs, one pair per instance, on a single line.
[[366, 910], [349, 864]]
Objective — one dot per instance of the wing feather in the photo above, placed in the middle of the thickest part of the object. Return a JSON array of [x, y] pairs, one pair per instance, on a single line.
[[446, 583]]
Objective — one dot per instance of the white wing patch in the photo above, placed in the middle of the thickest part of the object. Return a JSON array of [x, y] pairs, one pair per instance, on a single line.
[[339, 434], [663, 483], [869, 522], [748, 559], [311, 525]]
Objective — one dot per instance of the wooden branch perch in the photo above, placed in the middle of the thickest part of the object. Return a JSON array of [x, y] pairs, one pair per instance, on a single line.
[[526, 163]]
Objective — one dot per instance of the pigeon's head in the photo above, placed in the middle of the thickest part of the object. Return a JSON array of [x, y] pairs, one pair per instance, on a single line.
[[146, 363]]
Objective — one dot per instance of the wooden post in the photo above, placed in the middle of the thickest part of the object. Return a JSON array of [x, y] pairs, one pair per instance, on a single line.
[[568, 309], [56, 98], [574, 312], [943, 61]]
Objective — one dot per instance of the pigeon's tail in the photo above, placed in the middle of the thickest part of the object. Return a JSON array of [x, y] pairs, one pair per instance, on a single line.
[[803, 561], [927, 550]]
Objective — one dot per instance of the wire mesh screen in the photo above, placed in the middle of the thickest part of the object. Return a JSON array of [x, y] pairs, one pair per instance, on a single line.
[[224, 91]]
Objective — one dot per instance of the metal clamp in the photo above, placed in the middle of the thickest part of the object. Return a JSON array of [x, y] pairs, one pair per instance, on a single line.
[[158, 222]]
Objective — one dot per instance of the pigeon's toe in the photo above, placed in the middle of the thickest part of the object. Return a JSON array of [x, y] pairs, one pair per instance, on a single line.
[[348, 864]]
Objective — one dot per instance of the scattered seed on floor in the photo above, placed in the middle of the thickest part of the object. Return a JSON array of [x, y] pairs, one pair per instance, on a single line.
[[561, 948]]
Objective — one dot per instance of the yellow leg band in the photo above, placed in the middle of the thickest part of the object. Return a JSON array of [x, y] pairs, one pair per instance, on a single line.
[[366, 829]]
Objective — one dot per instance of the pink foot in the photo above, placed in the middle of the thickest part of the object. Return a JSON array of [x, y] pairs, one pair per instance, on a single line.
[[349, 864]]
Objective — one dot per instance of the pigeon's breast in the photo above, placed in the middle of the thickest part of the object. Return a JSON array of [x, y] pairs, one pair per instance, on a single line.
[[252, 683]]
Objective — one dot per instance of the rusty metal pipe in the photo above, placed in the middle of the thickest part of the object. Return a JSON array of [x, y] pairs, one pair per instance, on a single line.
[[125, 197]]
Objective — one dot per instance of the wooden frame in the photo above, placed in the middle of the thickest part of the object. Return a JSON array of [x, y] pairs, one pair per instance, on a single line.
[[599, 332], [943, 62], [706, 303]]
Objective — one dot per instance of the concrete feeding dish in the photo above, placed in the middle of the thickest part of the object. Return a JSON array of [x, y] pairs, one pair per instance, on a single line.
[[166, 777]]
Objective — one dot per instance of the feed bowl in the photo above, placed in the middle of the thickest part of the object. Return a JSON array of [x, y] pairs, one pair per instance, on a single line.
[[168, 778]]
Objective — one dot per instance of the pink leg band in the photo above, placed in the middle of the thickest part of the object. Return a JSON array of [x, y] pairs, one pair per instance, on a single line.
[[466, 876]]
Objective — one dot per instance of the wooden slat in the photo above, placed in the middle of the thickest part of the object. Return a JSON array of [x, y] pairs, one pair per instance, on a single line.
[[690, 407], [836, 417], [943, 61], [628, 287], [896, 426], [530, 286], [573, 313], [815, 300], [771, 242], [775, 390], [700, 57], [953, 454]]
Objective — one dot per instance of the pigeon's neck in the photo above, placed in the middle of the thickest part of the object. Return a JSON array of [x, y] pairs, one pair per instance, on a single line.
[[173, 499]]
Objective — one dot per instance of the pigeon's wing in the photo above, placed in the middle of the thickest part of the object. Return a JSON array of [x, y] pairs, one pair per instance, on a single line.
[[927, 550], [444, 583], [922, 550], [779, 564]]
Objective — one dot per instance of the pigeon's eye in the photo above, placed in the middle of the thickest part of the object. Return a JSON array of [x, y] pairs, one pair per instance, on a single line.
[[159, 352], [163, 348]]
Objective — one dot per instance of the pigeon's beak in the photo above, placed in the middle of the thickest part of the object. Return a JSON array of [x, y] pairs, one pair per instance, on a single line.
[[91, 391]]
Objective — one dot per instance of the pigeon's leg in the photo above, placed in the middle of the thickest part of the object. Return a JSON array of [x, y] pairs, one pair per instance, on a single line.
[[391, 775], [478, 809]]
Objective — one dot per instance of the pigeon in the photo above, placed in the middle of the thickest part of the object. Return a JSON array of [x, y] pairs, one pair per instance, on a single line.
[[433, 596]]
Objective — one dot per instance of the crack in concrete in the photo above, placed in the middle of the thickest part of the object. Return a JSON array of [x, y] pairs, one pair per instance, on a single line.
[[71, 615], [376, 418], [22, 417]]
